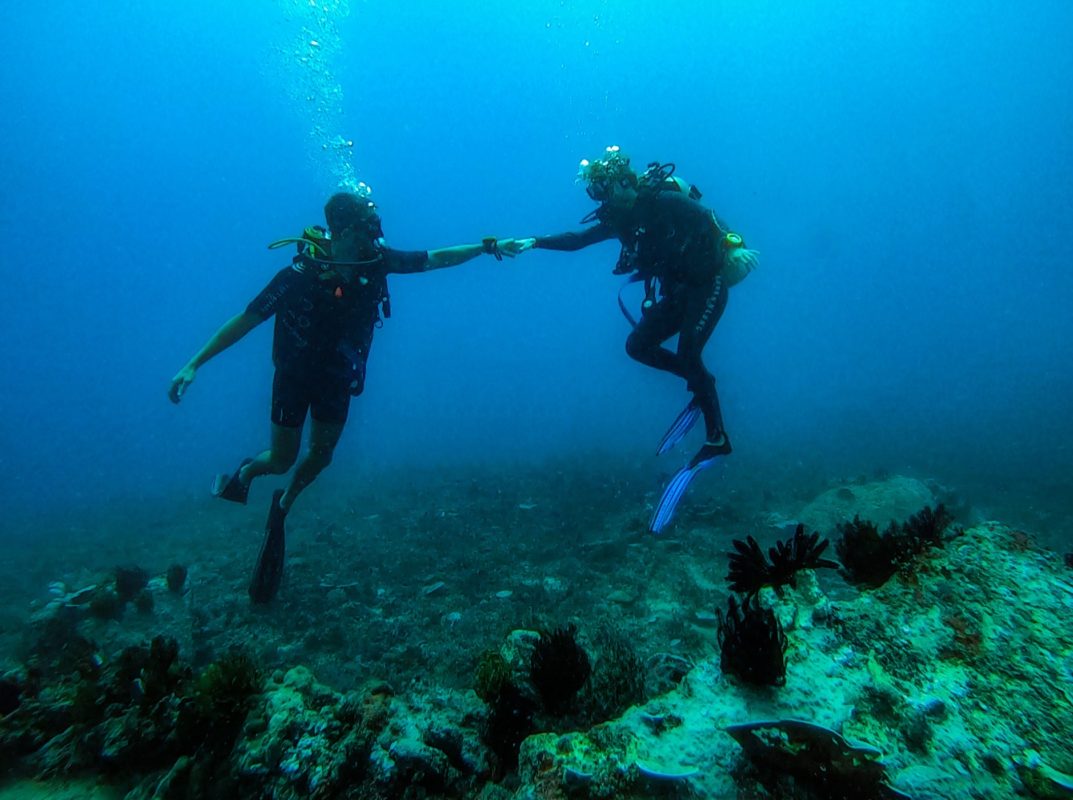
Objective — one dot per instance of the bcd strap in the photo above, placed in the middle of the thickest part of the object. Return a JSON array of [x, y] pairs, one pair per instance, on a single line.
[[636, 277]]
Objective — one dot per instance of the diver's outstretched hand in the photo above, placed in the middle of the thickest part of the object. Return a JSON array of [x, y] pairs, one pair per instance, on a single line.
[[748, 258], [181, 382], [515, 247]]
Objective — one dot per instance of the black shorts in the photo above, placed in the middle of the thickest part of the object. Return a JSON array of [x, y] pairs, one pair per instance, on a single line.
[[293, 394]]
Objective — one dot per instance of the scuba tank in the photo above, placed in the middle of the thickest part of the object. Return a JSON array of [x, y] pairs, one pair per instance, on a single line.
[[661, 178]]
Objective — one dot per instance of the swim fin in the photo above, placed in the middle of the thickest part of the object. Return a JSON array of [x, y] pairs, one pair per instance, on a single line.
[[679, 428], [230, 487], [675, 490], [268, 573]]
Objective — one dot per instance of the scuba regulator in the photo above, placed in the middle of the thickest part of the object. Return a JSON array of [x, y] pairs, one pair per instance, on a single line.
[[315, 242]]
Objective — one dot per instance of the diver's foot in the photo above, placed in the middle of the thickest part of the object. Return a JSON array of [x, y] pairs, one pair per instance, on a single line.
[[284, 500], [231, 487], [713, 448]]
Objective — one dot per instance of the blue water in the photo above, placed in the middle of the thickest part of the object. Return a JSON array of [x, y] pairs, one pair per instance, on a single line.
[[904, 169]]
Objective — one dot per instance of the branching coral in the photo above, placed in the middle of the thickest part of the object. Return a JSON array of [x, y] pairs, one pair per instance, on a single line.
[[510, 712], [750, 570], [752, 644], [510, 721], [492, 676], [225, 689], [926, 528], [870, 558], [154, 671], [618, 678], [176, 578], [129, 581], [559, 668], [9, 696]]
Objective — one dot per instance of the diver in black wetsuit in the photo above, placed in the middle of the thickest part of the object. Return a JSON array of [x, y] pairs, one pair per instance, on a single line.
[[687, 258], [327, 304]]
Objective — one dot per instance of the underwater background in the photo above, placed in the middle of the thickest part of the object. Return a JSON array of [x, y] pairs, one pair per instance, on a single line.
[[905, 170]]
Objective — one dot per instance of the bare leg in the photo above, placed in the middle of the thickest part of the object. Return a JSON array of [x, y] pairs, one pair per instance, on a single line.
[[279, 458], [323, 437]]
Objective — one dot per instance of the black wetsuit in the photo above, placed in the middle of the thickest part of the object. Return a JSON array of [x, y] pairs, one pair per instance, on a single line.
[[672, 240], [324, 329]]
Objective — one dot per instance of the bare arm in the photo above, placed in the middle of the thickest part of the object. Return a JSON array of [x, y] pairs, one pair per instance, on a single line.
[[453, 256], [229, 333]]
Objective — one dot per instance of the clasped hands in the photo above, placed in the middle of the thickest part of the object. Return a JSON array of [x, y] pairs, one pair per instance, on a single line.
[[508, 247]]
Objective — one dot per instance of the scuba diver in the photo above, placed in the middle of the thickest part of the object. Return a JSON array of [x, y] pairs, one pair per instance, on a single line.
[[686, 258], [327, 303]]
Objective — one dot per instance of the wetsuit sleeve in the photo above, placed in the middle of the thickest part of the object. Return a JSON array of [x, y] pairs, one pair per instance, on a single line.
[[405, 262], [576, 240], [264, 305]]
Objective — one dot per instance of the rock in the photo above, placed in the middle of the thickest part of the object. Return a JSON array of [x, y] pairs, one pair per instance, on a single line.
[[706, 619], [419, 765], [896, 498]]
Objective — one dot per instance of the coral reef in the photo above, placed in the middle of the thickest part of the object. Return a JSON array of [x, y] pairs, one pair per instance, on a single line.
[[790, 753], [134, 715], [106, 604], [176, 578], [957, 668], [129, 581], [10, 695], [871, 668], [752, 644]]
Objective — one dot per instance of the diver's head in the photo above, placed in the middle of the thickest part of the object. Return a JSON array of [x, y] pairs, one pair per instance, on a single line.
[[348, 211], [609, 179]]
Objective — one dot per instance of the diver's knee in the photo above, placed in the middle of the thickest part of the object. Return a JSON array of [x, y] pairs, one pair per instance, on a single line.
[[320, 458], [700, 381], [636, 347]]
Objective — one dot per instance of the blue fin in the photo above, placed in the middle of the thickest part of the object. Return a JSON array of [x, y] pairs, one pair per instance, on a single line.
[[672, 495], [682, 425]]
